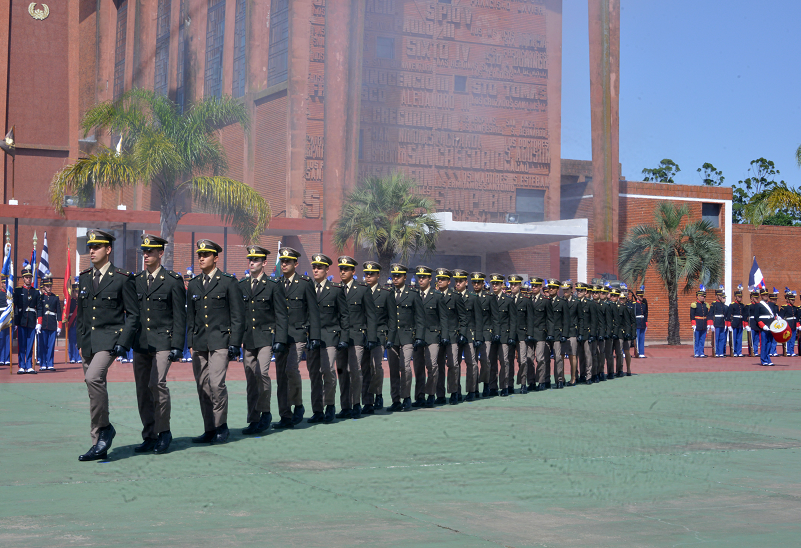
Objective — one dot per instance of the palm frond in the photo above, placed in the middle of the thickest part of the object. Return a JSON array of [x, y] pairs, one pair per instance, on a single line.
[[103, 170], [235, 202]]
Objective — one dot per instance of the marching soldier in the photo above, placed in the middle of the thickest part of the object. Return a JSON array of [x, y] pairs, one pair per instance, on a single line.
[[789, 312], [265, 335], [524, 338], [386, 324], [448, 357], [161, 336], [586, 333], [611, 330], [601, 334], [738, 317], [699, 313], [72, 324], [361, 337], [26, 300], [542, 335], [718, 314], [570, 347], [108, 317], [303, 325], [472, 338], [765, 313], [772, 344], [215, 315], [627, 299], [48, 322], [321, 361], [559, 330], [641, 317], [489, 319], [433, 327], [618, 333], [502, 350]]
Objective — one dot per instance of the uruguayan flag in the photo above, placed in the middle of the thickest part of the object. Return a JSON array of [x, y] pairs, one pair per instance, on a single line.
[[8, 271]]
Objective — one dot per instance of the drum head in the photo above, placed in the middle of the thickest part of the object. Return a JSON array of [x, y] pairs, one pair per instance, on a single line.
[[778, 325]]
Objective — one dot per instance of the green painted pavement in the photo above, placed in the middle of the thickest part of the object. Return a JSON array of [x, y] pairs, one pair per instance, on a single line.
[[651, 460]]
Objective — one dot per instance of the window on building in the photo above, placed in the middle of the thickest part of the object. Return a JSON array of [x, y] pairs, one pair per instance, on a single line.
[[119, 49], [530, 205], [215, 36], [240, 69], [384, 47], [460, 83], [278, 59], [179, 77], [161, 81], [711, 213]]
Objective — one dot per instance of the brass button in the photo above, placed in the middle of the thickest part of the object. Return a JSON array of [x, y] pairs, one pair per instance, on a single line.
[[148, 329], [205, 297], [93, 317], [93, 327], [148, 310], [207, 325]]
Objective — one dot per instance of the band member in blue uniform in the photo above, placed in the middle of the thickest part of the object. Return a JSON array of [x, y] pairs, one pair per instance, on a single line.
[[765, 313], [641, 315], [737, 318], [698, 318], [718, 313], [789, 312], [772, 344], [753, 315], [48, 323], [26, 299], [5, 340]]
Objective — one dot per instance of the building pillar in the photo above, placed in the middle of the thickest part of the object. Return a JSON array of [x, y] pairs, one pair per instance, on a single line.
[[604, 28], [300, 13]]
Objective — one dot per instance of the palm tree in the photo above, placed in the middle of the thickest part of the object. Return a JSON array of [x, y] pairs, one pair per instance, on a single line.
[[677, 250], [180, 155], [388, 217]]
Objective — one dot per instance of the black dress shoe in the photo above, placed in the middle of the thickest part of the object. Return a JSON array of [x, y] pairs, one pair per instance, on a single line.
[[396, 406], [511, 389], [486, 392], [524, 389], [454, 399], [493, 393], [628, 373], [471, 396], [163, 443], [265, 421], [441, 401], [560, 384], [504, 392], [297, 415], [283, 423], [588, 382], [532, 386], [379, 402], [328, 416], [250, 429], [430, 402], [419, 402], [619, 374], [206, 437], [104, 439], [356, 412], [368, 409], [146, 446], [610, 377], [542, 386], [315, 418], [344, 414], [92, 454], [221, 436], [460, 396], [407, 404]]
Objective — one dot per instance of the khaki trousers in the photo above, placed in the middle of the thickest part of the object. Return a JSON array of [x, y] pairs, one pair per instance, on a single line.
[[287, 377], [425, 360], [372, 374], [543, 357], [525, 361], [599, 357], [586, 353], [210, 368], [95, 368], [322, 364], [259, 386], [400, 372], [152, 393], [499, 363], [609, 355], [618, 349], [559, 361], [482, 357], [446, 360], [467, 352], [349, 370]]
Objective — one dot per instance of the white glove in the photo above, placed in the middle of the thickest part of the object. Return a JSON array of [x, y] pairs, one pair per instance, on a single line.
[[798, 328], [710, 328], [38, 328], [58, 331], [748, 328], [765, 328], [730, 329]]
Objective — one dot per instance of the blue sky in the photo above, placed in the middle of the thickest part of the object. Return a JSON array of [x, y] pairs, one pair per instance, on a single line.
[[701, 81]]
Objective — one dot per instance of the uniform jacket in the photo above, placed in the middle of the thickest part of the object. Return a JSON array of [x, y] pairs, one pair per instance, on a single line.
[[738, 315], [474, 316], [600, 319], [303, 314], [790, 314], [640, 315], [162, 312], [72, 314], [765, 317], [506, 317], [699, 313], [542, 321], [560, 317], [215, 315], [361, 309], [108, 316], [48, 310], [489, 315], [334, 313], [611, 318], [455, 315], [524, 317], [572, 316], [386, 316], [718, 312], [631, 319], [265, 312], [435, 320], [411, 317], [26, 302], [588, 319]]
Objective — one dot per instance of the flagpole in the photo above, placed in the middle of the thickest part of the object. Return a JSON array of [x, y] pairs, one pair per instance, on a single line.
[[11, 321], [35, 270]]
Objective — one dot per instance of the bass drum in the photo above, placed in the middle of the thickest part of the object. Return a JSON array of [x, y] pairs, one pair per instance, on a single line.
[[781, 330]]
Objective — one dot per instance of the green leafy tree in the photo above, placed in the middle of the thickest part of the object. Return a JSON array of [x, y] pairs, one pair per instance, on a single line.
[[387, 216], [750, 202], [710, 176], [179, 155], [798, 155], [678, 250], [663, 173]]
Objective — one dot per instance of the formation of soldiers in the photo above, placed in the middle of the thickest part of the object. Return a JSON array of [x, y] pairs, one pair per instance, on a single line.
[[491, 324], [730, 321]]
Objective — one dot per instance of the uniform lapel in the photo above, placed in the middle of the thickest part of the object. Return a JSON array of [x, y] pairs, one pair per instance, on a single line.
[[105, 279], [256, 289], [157, 281], [211, 284], [323, 292]]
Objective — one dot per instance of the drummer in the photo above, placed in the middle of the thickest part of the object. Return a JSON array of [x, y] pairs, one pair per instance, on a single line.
[[765, 313], [789, 312], [774, 300]]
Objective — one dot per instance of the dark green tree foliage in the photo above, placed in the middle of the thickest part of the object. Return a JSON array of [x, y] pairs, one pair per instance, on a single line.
[[664, 173], [710, 176], [751, 201]]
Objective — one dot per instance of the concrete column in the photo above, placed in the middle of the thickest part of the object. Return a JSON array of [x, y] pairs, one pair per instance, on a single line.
[[356, 53], [298, 96], [604, 28]]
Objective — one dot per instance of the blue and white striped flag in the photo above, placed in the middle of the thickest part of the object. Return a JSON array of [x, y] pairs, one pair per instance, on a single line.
[[277, 270], [8, 271], [44, 265]]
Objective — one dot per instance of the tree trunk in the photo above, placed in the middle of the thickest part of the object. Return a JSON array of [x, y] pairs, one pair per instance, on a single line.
[[674, 328], [169, 222], [385, 259]]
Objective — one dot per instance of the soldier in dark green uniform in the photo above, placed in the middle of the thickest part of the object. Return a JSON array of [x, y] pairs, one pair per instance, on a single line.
[[542, 333], [361, 337], [108, 317], [215, 317], [524, 341], [386, 324], [160, 341], [489, 320], [408, 341], [322, 361], [600, 334], [559, 330], [303, 327], [502, 351], [432, 327], [265, 335], [472, 336], [570, 347], [448, 356], [609, 346], [618, 333]]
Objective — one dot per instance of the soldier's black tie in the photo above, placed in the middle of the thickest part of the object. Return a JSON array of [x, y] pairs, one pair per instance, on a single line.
[[206, 280], [397, 294], [96, 280], [319, 289], [149, 280]]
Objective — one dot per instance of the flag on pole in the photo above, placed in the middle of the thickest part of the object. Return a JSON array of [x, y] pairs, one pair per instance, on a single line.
[[8, 144], [34, 271], [277, 261], [755, 278], [44, 263], [67, 289], [8, 271]]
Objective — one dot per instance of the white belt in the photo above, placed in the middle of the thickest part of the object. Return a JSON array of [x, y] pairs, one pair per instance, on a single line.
[[736, 316], [641, 316], [718, 315], [29, 309], [50, 312]]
